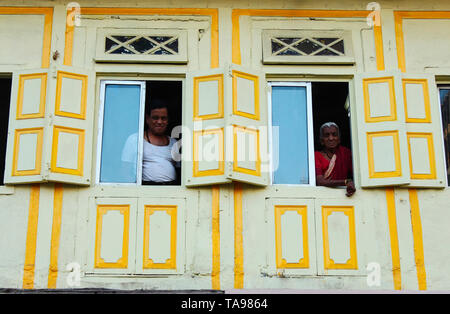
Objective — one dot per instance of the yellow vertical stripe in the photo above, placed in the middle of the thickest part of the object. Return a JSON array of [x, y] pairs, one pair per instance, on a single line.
[[418, 239], [30, 247], [393, 234], [56, 232], [215, 238], [238, 241]]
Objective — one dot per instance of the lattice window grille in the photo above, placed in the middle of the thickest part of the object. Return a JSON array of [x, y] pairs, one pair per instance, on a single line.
[[307, 46], [141, 45]]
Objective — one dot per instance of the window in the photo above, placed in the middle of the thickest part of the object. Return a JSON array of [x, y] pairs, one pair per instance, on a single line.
[[123, 121], [293, 46], [444, 95], [5, 91], [298, 109]]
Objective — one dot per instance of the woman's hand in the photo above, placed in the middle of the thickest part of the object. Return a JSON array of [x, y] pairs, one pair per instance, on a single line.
[[350, 188]]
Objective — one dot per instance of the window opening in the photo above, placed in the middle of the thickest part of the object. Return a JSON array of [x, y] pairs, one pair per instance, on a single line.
[[444, 96], [5, 91], [130, 153]]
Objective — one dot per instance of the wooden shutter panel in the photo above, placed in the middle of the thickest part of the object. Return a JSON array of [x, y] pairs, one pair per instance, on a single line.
[[381, 129], [70, 130], [203, 144], [247, 154], [423, 131], [24, 156]]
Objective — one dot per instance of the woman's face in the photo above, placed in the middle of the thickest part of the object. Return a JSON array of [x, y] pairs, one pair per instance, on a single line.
[[157, 121], [330, 137]]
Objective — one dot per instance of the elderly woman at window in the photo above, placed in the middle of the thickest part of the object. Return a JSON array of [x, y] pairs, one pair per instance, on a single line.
[[334, 161]]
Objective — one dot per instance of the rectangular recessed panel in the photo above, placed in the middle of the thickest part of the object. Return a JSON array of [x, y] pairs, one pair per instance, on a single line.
[[421, 156], [245, 95], [417, 103], [383, 154], [71, 95], [27, 151], [246, 158], [67, 150], [208, 97], [208, 152], [31, 96], [379, 99]]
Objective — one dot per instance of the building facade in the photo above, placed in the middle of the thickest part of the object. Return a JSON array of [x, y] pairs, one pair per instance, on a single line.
[[249, 85]]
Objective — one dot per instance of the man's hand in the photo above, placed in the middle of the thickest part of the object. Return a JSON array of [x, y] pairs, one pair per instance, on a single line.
[[350, 188]]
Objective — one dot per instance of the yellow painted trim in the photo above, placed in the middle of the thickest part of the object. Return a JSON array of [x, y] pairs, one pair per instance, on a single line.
[[30, 245], [426, 100], [38, 158], [220, 97], [431, 156], [41, 112], [48, 22], [171, 263], [302, 211], [213, 13], [53, 167], [393, 235], [418, 239], [349, 211], [84, 83], [221, 161], [237, 13], [254, 132], [399, 16], [392, 101], [385, 174], [255, 80], [122, 262], [238, 239], [215, 273], [56, 234]]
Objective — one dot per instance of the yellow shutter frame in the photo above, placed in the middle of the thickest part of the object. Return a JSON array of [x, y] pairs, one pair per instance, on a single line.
[[27, 122], [423, 131], [382, 147]]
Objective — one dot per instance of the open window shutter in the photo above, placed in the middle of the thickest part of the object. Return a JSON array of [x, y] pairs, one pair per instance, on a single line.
[[381, 129], [423, 131], [247, 145], [24, 156], [68, 151], [203, 148]]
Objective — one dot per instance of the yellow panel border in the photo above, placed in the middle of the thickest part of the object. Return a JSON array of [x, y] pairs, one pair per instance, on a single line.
[[43, 95], [399, 16], [215, 273], [255, 80], [53, 166], [40, 140], [56, 235], [238, 239], [385, 174], [237, 13], [393, 235], [48, 23], [84, 83], [431, 158], [349, 211], [221, 161], [122, 262], [426, 96], [254, 132], [171, 262], [302, 211], [393, 103], [213, 13], [208, 78]]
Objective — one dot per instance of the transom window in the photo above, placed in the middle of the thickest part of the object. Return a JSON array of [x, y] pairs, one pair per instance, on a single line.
[[304, 46], [152, 45]]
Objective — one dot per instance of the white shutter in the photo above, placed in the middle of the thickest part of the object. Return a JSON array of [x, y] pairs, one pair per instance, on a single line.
[[203, 144], [50, 129], [24, 156], [247, 154], [423, 131], [381, 129]]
